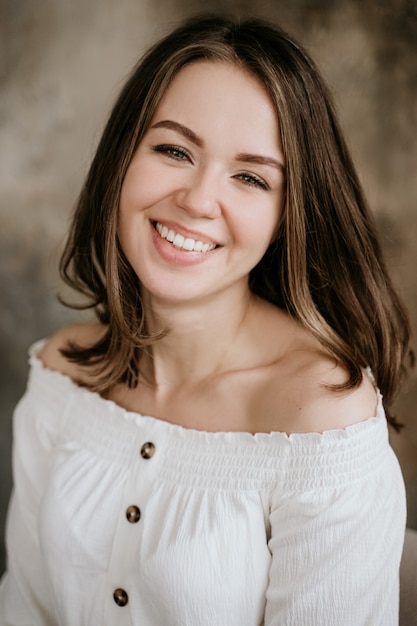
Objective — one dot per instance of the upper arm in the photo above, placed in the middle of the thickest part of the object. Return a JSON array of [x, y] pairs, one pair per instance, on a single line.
[[24, 592], [24, 595], [336, 554]]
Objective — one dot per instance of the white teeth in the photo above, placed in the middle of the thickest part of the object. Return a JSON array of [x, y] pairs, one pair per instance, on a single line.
[[189, 244], [181, 242], [178, 241]]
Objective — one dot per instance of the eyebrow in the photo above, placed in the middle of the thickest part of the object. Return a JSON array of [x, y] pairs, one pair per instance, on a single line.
[[179, 128], [243, 157], [260, 160]]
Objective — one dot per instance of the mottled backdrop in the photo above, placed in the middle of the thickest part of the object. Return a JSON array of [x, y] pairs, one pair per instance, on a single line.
[[61, 65]]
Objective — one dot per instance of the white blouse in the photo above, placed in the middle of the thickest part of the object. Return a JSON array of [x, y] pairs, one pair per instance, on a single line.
[[123, 519]]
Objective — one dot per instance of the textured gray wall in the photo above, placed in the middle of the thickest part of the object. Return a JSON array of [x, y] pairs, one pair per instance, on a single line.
[[62, 64]]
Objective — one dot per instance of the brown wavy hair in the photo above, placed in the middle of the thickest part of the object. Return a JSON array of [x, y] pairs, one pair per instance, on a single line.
[[326, 267]]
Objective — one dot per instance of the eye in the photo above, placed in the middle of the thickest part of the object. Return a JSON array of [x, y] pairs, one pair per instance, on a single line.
[[173, 152], [253, 181]]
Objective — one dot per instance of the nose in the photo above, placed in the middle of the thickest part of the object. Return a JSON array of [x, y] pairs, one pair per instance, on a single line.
[[199, 195]]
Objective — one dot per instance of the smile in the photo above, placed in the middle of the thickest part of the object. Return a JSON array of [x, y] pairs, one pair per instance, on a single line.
[[181, 242]]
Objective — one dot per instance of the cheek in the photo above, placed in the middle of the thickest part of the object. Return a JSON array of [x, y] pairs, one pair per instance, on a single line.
[[133, 194], [260, 228], [142, 187]]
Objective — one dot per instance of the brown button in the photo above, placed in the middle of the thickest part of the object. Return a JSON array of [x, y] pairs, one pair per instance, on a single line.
[[147, 450], [120, 597], [133, 514]]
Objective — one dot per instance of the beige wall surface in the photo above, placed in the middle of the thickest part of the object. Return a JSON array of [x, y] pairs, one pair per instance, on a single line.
[[61, 65]]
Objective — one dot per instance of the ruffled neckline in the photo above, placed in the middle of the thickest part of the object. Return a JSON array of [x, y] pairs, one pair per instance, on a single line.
[[94, 399]]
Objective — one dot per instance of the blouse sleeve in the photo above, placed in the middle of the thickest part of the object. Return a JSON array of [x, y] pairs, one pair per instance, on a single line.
[[337, 536], [24, 594]]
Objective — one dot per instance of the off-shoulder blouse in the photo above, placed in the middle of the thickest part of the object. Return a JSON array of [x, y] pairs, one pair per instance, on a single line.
[[123, 519]]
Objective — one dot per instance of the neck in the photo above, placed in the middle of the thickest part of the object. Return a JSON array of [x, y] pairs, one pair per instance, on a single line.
[[203, 338]]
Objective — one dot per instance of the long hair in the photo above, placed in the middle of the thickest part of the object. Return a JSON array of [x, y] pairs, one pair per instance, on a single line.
[[325, 268]]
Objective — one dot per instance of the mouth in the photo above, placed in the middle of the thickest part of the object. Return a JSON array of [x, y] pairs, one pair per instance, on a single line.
[[181, 242]]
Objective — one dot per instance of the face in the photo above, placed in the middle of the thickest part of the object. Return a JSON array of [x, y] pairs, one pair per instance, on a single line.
[[202, 197]]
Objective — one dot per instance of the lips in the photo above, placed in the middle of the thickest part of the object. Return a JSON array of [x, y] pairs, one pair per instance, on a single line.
[[182, 242]]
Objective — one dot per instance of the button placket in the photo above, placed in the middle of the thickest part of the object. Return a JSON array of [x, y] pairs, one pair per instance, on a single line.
[[133, 512], [122, 566]]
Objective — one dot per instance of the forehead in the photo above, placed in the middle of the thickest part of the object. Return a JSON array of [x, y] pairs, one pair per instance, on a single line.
[[232, 80], [219, 95]]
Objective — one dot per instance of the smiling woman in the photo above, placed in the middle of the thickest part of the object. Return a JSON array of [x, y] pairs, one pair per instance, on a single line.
[[200, 177], [224, 413]]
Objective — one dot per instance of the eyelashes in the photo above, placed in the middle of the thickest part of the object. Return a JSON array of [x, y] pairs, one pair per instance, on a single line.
[[181, 155], [174, 152], [253, 181]]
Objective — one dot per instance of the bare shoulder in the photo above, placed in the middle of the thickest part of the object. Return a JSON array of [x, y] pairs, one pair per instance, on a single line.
[[300, 392], [81, 334], [320, 407]]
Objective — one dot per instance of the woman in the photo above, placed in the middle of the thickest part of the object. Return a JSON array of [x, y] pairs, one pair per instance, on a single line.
[[213, 449]]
